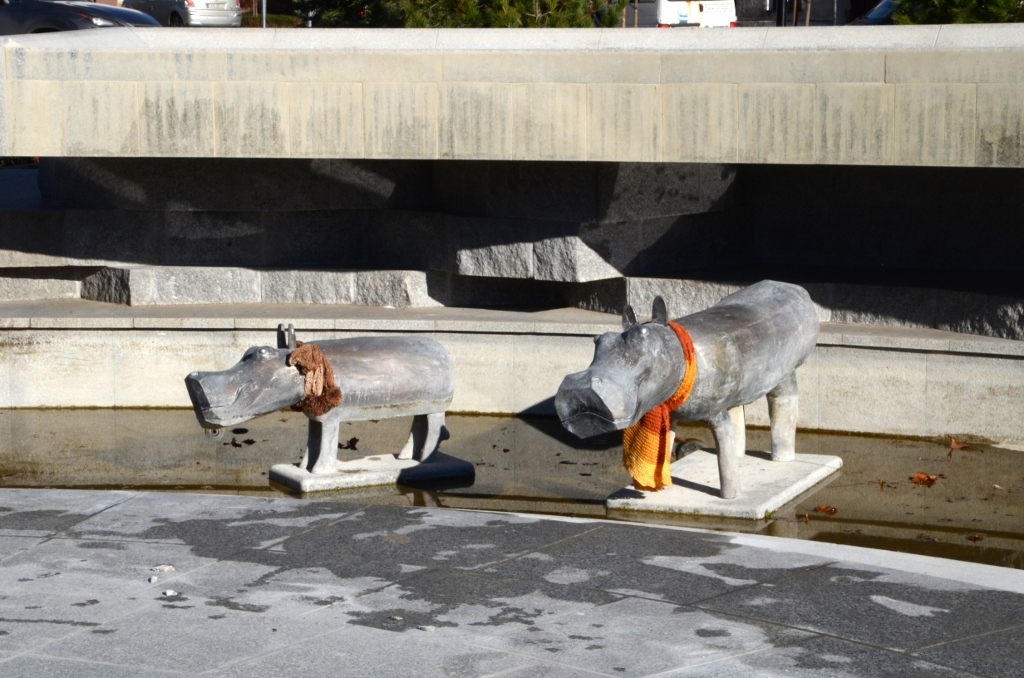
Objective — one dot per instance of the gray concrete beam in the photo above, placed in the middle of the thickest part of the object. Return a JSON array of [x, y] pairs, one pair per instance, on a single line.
[[925, 95]]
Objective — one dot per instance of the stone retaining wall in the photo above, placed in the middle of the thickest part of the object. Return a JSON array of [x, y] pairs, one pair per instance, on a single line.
[[895, 381]]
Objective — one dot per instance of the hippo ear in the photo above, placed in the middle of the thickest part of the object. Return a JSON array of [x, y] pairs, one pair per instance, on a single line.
[[628, 318], [659, 312]]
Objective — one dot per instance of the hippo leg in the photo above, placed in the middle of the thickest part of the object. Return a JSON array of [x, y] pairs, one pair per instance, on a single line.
[[321, 447], [731, 439], [424, 436], [782, 411]]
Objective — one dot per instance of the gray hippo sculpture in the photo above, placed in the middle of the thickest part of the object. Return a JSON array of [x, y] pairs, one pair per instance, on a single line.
[[379, 377], [746, 346]]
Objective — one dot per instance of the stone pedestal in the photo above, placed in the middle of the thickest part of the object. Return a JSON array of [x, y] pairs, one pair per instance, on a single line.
[[766, 486], [384, 469]]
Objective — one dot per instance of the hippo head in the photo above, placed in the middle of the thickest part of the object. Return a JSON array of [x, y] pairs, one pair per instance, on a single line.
[[631, 373], [260, 383]]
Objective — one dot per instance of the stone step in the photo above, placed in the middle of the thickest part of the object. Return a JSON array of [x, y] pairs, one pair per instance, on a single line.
[[970, 313], [39, 284], [911, 307], [191, 285]]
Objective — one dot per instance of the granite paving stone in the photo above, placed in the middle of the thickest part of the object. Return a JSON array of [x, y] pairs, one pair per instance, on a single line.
[[671, 565], [289, 584], [433, 537], [462, 605], [819, 656], [999, 655], [42, 666], [27, 513], [550, 670], [11, 546], [643, 637], [282, 586], [340, 653], [212, 524], [65, 586], [899, 612], [191, 634]]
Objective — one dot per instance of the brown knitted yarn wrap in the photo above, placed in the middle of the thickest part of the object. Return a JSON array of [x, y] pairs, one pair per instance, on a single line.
[[320, 394]]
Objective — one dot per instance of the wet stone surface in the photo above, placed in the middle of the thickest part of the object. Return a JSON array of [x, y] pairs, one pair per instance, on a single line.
[[972, 512], [298, 587]]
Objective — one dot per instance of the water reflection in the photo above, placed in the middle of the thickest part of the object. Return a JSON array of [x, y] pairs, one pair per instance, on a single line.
[[531, 464]]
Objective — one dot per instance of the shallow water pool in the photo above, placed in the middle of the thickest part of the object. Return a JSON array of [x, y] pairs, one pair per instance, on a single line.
[[972, 512]]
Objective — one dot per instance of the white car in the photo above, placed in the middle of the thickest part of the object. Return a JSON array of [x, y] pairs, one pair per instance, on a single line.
[[704, 13]]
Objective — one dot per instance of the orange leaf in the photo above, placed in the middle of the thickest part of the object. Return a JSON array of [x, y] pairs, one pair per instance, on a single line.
[[973, 537], [954, 445], [827, 510], [925, 479]]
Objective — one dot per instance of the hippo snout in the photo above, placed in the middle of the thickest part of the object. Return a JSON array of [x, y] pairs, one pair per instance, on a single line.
[[239, 394], [213, 394], [589, 403]]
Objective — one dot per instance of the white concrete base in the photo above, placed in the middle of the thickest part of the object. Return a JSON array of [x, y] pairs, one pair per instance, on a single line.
[[766, 486], [383, 469]]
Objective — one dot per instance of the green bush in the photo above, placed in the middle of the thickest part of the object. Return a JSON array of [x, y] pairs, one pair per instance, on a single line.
[[273, 21], [465, 13], [959, 11]]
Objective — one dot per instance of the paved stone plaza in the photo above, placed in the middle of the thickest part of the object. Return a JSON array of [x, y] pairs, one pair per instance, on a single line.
[[272, 587]]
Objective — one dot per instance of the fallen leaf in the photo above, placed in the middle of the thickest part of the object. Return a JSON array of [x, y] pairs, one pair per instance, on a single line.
[[925, 479], [240, 431], [997, 487], [881, 484], [827, 510], [350, 445], [235, 443], [249, 441], [973, 537], [925, 537]]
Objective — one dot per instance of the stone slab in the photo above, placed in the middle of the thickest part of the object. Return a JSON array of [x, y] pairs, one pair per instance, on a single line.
[[389, 590], [381, 469], [766, 486]]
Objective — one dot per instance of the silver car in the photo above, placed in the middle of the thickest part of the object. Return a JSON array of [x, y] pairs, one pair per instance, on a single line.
[[222, 13]]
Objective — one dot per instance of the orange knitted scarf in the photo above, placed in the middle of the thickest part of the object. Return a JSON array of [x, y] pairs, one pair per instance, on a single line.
[[320, 393], [645, 453]]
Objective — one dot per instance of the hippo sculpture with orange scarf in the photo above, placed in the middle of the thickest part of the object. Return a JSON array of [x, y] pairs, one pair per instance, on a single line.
[[700, 368]]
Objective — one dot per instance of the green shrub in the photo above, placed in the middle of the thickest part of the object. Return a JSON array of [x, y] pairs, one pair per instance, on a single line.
[[465, 13], [959, 11], [273, 21]]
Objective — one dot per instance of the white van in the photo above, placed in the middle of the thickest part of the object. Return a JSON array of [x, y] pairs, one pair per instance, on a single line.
[[704, 13]]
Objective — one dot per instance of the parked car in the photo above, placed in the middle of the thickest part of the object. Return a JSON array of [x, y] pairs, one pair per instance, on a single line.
[[47, 16], [706, 13], [168, 12], [880, 15], [223, 13]]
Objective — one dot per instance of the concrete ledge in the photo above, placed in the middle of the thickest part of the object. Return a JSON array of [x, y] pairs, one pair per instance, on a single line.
[[383, 469], [933, 95], [765, 487], [864, 379]]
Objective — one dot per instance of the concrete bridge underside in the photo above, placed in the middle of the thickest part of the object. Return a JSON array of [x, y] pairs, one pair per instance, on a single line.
[[928, 95]]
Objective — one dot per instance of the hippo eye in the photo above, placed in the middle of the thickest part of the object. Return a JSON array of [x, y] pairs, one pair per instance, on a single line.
[[644, 331], [264, 353]]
